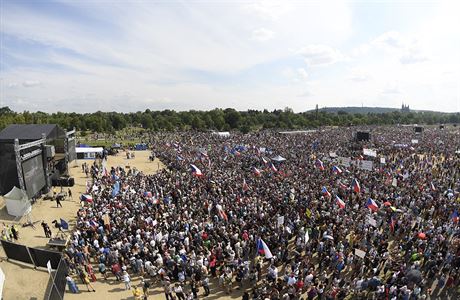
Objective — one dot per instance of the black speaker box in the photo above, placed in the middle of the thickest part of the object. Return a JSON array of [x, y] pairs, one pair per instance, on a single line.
[[362, 136]]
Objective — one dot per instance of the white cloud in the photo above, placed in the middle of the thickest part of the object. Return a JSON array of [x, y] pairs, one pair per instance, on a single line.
[[262, 35], [390, 39], [359, 75], [316, 55], [302, 73], [31, 83], [269, 9], [413, 55]]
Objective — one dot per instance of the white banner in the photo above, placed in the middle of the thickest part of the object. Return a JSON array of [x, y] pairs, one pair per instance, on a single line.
[[414, 141], [382, 160], [360, 253], [371, 221], [280, 221], [370, 152], [344, 161], [395, 182], [365, 165]]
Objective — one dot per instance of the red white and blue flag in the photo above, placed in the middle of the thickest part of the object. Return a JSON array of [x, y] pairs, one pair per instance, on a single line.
[[264, 160], [455, 217], [355, 186], [263, 249], [273, 168], [336, 170], [392, 224], [325, 192], [221, 212], [245, 185], [256, 171], [340, 202], [196, 171], [342, 186], [319, 164], [372, 205]]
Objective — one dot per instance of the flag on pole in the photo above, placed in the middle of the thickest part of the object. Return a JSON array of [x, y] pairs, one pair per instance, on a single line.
[[355, 186], [342, 186], [455, 217], [325, 192], [64, 224], [256, 171], [263, 249], [319, 164], [221, 212], [372, 205], [264, 160], [340, 202], [307, 236], [196, 171], [432, 187], [392, 224], [245, 185], [273, 168], [308, 213], [337, 170]]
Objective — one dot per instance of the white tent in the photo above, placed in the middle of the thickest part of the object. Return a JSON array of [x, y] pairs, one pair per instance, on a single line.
[[17, 202]]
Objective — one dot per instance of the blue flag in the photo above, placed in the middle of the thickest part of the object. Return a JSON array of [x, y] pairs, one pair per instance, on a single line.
[[64, 225]]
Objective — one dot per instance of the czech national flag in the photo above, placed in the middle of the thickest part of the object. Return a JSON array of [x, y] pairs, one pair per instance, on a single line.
[[355, 186], [196, 171], [340, 202], [455, 217], [256, 171], [263, 249], [372, 205], [221, 212], [432, 187], [265, 161], [245, 185], [342, 186], [336, 170], [325, 192], [272, 166], [392, 224], [319, 164]]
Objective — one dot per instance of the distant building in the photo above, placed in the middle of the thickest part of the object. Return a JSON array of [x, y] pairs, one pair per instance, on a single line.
[[405, 108]]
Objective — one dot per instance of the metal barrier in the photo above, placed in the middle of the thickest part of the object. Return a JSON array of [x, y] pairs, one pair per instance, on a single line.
[[40, 258], [58, 282]]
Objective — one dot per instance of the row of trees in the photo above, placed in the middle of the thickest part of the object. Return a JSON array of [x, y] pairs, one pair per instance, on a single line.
[[218, 119]]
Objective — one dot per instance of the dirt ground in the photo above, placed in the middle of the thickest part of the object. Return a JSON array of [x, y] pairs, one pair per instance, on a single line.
[[21, 280]]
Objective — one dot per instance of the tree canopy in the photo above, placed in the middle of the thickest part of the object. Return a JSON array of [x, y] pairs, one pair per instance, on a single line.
[[218, 119]]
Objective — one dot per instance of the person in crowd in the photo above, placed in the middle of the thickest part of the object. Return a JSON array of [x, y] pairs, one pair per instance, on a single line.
[[336, 222]]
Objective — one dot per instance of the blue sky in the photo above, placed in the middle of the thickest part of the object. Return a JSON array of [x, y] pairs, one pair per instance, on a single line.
[[86, 56]]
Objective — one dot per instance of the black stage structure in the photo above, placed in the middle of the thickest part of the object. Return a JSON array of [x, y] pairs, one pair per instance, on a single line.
[[33, 155]]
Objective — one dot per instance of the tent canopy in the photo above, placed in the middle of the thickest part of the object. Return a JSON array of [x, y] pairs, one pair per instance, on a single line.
[[17, 203], [278, 158]]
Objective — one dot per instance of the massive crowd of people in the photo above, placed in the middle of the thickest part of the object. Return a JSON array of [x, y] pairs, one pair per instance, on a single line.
[[323, 221]]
